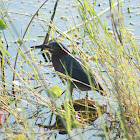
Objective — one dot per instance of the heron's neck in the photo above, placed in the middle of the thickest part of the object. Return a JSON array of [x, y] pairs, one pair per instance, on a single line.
[[56, 60]]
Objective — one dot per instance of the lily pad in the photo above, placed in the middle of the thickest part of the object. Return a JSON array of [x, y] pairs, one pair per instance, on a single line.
[[55, 91]]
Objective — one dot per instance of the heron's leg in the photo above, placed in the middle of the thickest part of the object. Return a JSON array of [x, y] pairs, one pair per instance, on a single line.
[[71, 90], [87, 95]]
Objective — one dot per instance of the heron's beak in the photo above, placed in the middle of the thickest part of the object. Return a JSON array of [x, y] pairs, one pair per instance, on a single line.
[[42, 46]]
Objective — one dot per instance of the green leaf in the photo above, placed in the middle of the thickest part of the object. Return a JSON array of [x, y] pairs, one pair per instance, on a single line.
[[2, 25], [55, 91]]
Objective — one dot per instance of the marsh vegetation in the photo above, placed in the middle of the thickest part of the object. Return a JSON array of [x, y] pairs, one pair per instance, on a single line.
[[27, 108]]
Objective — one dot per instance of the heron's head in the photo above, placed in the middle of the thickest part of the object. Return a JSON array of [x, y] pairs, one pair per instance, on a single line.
[[53, 47]]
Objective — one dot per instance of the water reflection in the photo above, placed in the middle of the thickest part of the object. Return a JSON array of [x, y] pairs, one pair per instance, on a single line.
[[85, 112]]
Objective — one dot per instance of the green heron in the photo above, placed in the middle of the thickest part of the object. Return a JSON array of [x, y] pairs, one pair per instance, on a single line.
[[64, 62]]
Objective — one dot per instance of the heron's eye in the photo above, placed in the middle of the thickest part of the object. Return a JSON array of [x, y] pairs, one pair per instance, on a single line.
[[50, 46]]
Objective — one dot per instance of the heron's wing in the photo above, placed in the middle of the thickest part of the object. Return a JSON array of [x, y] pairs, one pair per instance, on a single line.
[[75, 70], [70, 66]]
